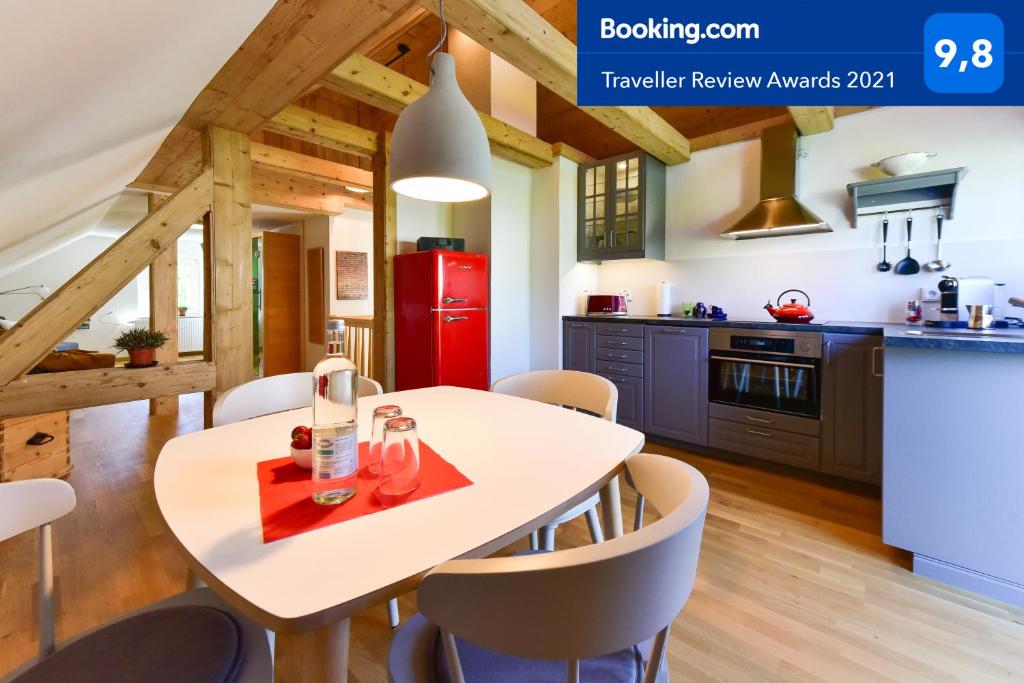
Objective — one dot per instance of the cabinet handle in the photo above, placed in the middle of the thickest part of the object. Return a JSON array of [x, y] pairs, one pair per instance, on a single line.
[[828, 353], [579, 324], [618, 369], [453, 299], [455, 318], [758, 432], [761, 420], [874, 362], [617, 355], [617, 343]]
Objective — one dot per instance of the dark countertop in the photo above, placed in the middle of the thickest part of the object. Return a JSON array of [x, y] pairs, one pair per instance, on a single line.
[[894, 334]]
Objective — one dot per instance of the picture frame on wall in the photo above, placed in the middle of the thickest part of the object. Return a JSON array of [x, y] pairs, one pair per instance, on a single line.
[[351, 275]]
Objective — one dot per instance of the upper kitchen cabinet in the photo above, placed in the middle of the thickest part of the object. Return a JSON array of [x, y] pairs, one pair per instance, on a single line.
[[621, 209]]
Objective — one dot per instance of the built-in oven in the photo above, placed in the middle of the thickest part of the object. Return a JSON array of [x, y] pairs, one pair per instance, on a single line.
[[772, 370]]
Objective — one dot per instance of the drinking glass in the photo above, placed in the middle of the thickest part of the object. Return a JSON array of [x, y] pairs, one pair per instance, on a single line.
[[399, 461], [381, 414]]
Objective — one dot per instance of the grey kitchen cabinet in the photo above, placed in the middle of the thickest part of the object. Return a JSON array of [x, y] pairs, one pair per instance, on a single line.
[[630, 411], [621, 208], [579, 346], [851, 407], [676, 383]]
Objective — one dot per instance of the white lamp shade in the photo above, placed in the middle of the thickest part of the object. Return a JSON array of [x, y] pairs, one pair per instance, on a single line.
[[439, 150]]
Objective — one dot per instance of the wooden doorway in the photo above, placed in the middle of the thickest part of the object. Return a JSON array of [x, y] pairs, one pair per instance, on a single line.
[[282, 303]]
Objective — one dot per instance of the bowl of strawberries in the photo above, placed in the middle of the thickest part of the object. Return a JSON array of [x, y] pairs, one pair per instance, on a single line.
[[302, 446]]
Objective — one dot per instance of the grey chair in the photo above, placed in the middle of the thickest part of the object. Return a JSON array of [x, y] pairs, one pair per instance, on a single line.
[[577, 391], [600, 612], [193, 636]]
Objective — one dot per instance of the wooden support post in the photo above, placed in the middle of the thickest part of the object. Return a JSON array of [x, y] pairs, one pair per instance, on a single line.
[[227, 229], [385, 246], [163, 304]]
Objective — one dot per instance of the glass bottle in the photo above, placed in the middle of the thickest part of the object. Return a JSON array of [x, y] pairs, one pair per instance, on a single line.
[[335, 439]]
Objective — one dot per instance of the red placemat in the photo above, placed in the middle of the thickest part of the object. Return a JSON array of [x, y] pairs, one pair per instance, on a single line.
[[287, 507]]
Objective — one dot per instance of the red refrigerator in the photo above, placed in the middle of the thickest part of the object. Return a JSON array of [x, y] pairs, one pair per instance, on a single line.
[[441, 320]]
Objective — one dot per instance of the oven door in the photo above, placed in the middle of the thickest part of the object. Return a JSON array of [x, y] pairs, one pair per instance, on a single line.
[[767, 382]]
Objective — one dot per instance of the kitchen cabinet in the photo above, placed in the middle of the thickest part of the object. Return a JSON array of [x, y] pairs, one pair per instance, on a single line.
[[851, 407], [630, 411], [621, 208], [676, 383], [579, 344]]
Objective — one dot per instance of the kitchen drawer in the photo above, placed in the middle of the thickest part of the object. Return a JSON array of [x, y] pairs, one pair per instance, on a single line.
[[630, 410], [798, 450], [628, 343], [617, 356], [620, 329], [605, 367], [766, 419]]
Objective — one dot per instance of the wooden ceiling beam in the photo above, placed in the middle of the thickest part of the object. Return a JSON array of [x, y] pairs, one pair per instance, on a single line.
[[291, 191], [287, 53], [813, 120], [323, 130], [519, 35], [321, 170], [373, 83]]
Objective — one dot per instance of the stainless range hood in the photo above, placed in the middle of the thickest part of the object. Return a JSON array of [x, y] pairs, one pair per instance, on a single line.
[[779, 212]]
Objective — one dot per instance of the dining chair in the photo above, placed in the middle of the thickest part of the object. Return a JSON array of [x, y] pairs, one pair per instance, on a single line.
[[193, 636], [276, 394], [596, 613], [577, 391]]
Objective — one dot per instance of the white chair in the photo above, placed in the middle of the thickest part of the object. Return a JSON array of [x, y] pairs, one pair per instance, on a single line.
[[186, 637], [577, 391], [584, 613], [274, 395]]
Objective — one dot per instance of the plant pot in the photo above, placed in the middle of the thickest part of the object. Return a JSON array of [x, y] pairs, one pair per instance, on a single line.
[[140, 357]]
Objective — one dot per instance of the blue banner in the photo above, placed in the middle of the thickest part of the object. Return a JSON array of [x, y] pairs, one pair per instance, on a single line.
[[754, 52]]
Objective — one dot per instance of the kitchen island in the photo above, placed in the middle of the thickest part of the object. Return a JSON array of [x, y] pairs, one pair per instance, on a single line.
[[927, 413]]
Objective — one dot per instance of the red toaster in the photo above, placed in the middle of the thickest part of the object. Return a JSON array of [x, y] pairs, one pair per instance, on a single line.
[[606, 304]]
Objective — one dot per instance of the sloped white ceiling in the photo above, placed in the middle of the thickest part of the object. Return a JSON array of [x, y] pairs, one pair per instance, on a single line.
[[89, 89]]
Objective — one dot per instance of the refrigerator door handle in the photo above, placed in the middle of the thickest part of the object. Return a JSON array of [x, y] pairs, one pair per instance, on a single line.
[[455, 318], [453, 300]]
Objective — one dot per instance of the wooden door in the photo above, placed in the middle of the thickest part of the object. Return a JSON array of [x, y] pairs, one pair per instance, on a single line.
[[851, 407], [282, 303], [676, 383]]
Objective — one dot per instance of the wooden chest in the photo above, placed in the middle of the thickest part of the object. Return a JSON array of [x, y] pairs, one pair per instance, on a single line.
[[35, 446]]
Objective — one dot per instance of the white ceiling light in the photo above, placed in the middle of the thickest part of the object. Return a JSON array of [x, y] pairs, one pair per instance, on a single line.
[[439, 150], [357, 190]]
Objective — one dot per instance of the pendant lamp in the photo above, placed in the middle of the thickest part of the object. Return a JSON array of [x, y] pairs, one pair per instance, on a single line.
[[439, 150]]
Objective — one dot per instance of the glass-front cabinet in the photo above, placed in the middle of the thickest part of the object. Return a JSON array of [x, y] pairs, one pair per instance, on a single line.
[[622, 208]]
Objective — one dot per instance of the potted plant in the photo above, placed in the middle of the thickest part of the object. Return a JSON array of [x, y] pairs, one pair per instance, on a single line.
[[182, 310], [140, 343]]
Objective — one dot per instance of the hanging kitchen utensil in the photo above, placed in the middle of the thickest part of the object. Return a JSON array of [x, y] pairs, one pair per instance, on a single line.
[[908, 266], [938, 265], [884, 265]]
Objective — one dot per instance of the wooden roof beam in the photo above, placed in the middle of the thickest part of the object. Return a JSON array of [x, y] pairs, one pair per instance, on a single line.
[[323, 130], [813, 120], [375, 84], [519, 35], [313, 168]]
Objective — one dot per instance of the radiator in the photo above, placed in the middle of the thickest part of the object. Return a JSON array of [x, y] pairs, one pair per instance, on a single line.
[[190, 334]]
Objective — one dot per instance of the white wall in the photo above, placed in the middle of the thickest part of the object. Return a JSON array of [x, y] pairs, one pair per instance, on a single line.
[[838, 269], [510, 268], [351, 231], [416, 218]]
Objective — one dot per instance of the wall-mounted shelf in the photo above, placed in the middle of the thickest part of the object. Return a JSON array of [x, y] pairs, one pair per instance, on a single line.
[[930, 190]]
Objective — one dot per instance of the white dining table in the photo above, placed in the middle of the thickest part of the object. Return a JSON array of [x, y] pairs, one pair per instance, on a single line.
[[529, 462]]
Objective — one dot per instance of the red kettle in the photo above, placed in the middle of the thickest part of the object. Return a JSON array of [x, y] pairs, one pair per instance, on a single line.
[[791, 312]]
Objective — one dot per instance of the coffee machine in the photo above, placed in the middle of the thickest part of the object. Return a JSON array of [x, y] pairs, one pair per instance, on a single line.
[[956, 294]]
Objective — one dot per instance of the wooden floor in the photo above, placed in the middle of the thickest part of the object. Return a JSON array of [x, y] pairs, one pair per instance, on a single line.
[[794, 583]]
